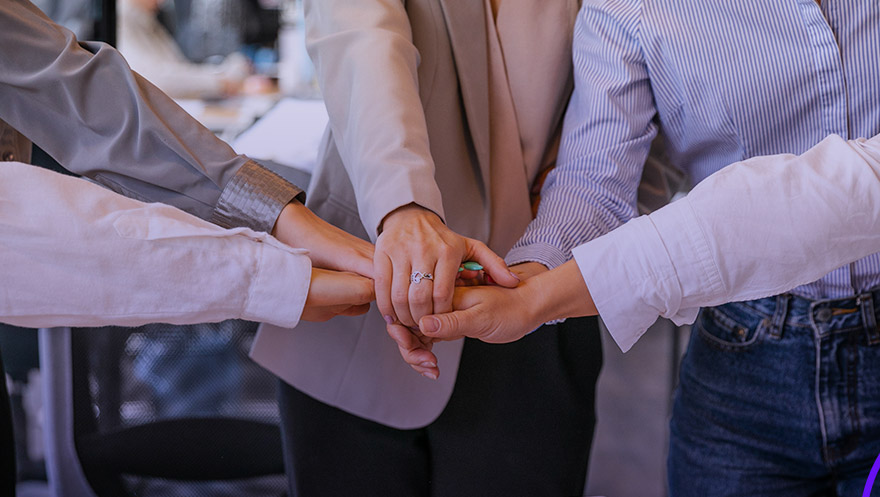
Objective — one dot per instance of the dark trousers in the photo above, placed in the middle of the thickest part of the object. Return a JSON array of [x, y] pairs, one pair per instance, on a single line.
[[7, 440], [519, 423]]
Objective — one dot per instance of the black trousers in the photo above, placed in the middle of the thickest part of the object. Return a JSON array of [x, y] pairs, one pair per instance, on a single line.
[[7, 440], [519, 423]]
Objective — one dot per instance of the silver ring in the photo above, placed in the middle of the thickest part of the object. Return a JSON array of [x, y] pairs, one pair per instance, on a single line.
[[418, 276]]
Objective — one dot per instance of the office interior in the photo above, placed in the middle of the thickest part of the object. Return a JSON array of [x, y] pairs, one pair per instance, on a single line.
[[161, 385]]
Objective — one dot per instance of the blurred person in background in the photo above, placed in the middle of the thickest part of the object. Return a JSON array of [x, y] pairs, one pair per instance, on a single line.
[[151, 51]]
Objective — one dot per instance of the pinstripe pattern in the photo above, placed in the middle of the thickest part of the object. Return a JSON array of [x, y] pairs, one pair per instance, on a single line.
[[723, 81]]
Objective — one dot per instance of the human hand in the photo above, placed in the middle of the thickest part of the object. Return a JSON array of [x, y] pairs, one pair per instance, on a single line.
[[329, 247], [499, 315], [415, 239], [490, 313], [526, 270], [523, 271], [333, 293], [415, 349]]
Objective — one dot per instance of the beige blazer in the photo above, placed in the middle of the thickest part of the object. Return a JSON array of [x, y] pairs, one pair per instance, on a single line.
[[406, 87]]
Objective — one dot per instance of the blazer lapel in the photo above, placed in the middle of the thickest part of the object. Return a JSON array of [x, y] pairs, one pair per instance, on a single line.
[[466, 23]]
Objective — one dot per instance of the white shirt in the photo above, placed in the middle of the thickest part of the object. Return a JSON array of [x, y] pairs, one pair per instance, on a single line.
[[75, 254], [753, 229]]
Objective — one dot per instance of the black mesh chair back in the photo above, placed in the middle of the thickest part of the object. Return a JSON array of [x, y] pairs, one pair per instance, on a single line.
[[164, 410]]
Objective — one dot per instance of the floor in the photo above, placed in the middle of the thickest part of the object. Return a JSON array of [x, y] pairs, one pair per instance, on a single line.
[[633, 405]]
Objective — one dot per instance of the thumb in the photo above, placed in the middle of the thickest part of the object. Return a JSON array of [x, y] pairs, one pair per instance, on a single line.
[[450, 325], [493, 265]]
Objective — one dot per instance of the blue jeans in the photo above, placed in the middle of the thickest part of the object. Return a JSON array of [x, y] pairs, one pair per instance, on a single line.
[[779, 397]]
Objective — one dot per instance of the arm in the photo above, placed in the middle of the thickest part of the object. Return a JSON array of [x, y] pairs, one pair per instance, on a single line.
[[75, 254], [691, 260], [607, 133], [680, 258], [367, 68], [81, 103]]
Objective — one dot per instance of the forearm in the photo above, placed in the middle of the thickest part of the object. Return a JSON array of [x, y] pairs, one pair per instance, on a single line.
[[76, 254], [606, 136], [83, 105], [367, 67], [557, 294], [691, 253]]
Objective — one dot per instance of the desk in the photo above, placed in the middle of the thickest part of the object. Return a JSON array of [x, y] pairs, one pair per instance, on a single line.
[[285, 131], [228, 117]]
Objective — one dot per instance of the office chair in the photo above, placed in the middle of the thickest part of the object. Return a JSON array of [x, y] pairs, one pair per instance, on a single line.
[[117, 421]]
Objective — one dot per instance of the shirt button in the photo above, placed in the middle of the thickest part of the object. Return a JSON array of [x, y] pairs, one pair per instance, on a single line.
[[823, 315], [8, 156]]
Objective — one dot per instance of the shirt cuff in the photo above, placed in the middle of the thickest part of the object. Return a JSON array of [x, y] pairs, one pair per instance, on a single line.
[[544, 253], [275, 299], [630, 278], [254, 198]]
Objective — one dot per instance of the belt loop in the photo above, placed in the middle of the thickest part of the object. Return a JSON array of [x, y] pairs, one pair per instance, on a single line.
[[866, 303], [778, 319]]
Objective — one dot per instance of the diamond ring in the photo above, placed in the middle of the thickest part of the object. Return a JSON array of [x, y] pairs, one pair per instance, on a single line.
[[418, 276]]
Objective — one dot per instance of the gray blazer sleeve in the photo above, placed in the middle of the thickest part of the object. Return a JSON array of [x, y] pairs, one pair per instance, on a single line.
[[82, 104]]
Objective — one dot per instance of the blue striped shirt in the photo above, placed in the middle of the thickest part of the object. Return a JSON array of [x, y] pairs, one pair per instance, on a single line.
[[722, 81]]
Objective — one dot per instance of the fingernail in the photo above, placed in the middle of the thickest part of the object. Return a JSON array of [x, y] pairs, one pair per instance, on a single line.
[[514, 275], [472, 266], [428, 364], [389, 319], [430, 375], [430, 325]]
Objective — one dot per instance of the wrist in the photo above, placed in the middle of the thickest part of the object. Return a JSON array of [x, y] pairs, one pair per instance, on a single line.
[[406, 215], [287, 223], [535, 303], [559, 294]]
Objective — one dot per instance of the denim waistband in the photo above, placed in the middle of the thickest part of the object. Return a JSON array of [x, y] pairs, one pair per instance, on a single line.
[[823, 316]]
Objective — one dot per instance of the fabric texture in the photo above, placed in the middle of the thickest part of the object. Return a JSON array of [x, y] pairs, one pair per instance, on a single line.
[[407, 88], [723, 82], [800, 419], [73, 250], [82, 104], [494, 438], [736, 237]]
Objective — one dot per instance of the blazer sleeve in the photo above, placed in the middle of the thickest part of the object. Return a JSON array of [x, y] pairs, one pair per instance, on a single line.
[[367, 67], [82, 104], [77, 254]]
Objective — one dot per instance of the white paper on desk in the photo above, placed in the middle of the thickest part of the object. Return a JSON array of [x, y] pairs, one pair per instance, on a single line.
[[288, 134]]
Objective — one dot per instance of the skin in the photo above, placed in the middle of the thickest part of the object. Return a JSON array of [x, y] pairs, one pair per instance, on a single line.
[[342, 264], [495, 314], [334, 293], [416, 239]]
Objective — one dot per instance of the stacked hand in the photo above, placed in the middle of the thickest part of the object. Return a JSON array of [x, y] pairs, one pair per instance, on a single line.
[[342, 264], [499, 315], [414, 243], [419, 288]]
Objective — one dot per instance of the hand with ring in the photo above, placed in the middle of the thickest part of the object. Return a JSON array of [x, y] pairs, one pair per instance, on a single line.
[[416, 261]]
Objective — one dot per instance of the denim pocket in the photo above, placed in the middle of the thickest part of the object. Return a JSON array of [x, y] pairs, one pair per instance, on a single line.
[[729, 327]]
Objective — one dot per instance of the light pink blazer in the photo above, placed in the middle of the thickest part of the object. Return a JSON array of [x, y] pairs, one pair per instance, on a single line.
[[406, 87]]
